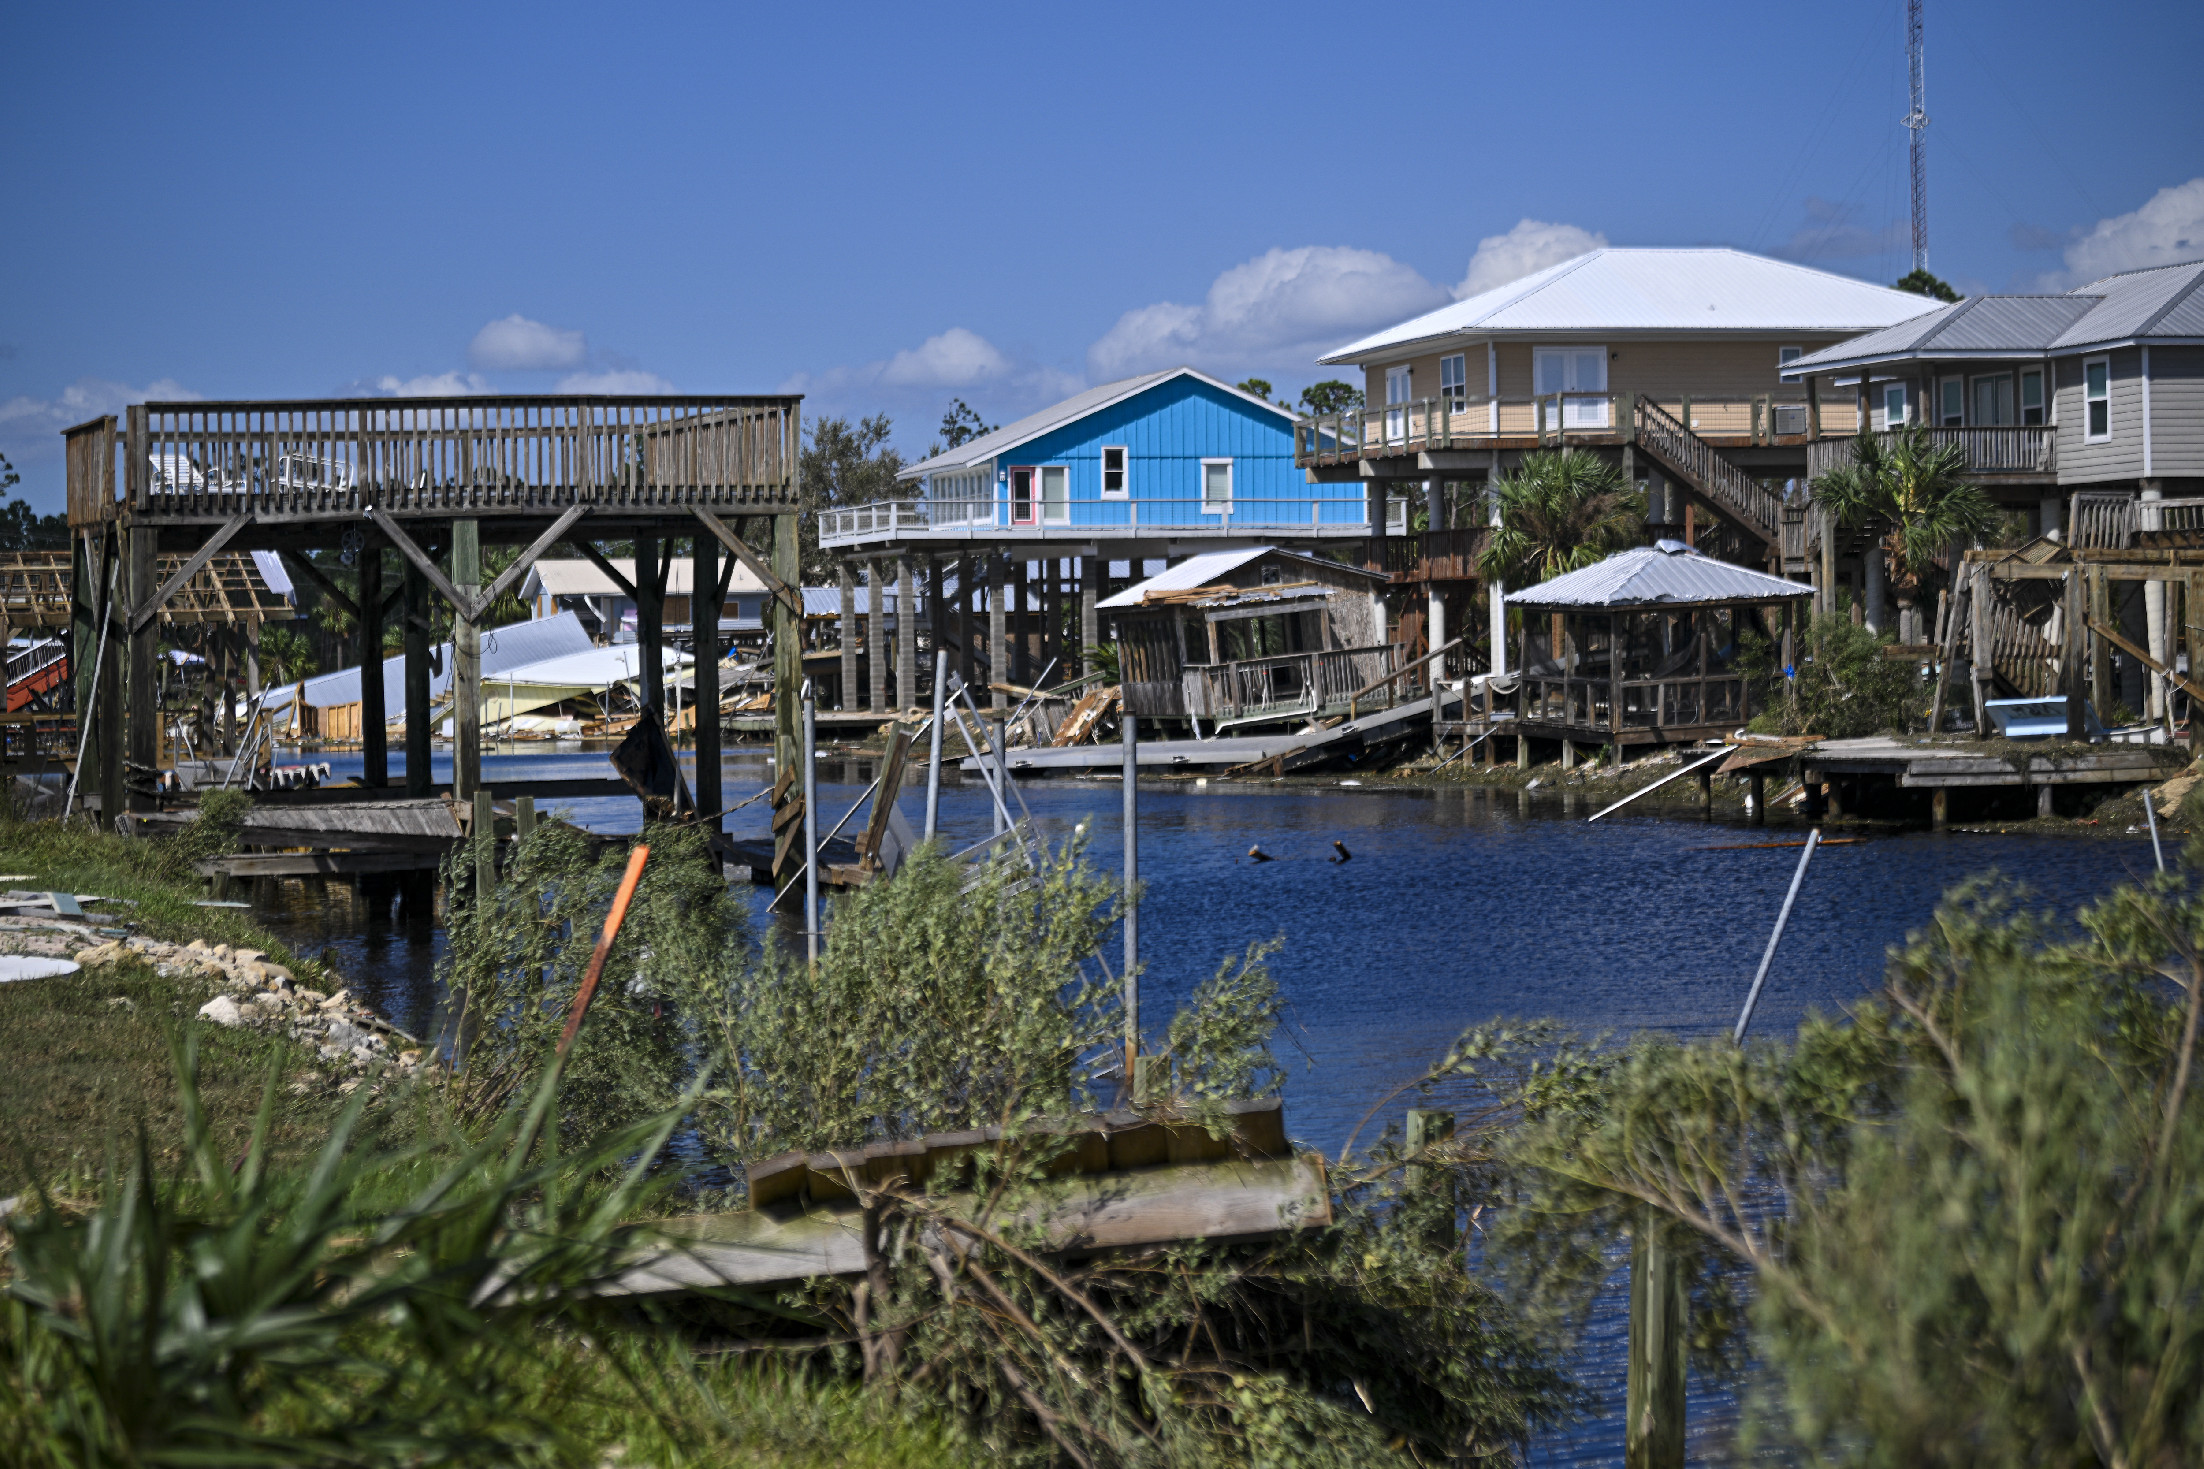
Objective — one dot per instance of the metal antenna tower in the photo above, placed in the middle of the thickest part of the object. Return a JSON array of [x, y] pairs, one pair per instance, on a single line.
[[1917, 122]]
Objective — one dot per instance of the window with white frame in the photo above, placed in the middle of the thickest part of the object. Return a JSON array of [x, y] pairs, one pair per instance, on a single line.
[[1216, 486], [2096, 399], [1894, 405], [1952, 403], [1399, 383], [2031, 397], [1580, 371], [1113, 471], [1454, 382], [1055, 494], [1785, 356]]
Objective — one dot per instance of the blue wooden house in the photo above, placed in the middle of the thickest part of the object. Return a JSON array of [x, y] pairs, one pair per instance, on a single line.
[[1165, 458]]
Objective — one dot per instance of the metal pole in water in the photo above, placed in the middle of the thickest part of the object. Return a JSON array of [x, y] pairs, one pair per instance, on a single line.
[[1752, 997], [933, 753], [1131, 899], [811, 824], [2150, 814]]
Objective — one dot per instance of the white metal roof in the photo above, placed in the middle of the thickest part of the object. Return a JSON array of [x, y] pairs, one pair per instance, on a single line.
[[1198, 571], [1666, 572], [1656, 291], [512, 646], [573, 577], [987, 446]]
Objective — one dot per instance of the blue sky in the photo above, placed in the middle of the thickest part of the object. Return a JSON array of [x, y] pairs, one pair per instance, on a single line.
[[883, 207]]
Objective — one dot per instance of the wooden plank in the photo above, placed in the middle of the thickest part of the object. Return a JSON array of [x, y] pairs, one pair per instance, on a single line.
[[307, 572], [758, 568], [597, 559], [527, 558], [460, 602], [2190, 686]]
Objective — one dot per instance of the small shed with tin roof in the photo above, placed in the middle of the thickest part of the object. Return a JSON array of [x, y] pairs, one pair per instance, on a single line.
[[1248, 635], [1643, 647]]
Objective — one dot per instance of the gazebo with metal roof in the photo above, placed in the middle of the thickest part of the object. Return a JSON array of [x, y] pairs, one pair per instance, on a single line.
[[1643, 648]]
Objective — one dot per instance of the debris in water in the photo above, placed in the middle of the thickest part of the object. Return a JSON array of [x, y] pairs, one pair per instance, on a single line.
[[1340, 848]]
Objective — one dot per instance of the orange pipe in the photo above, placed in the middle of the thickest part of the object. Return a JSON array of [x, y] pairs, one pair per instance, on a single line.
[[613, 919]]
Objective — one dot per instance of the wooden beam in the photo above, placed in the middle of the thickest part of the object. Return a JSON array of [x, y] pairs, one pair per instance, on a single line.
[[311, 574], [597, 559], [2194, 690], [432, 573], [526, 559], [144, 613], [751, 559]]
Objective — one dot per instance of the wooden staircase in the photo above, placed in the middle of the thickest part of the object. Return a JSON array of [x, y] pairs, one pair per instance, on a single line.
[[1736, 495]]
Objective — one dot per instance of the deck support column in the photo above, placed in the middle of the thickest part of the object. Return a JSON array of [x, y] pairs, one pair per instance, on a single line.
[[374, 737], [2154, 606], [1940, 807], [846, 580], [968, 575], [1758, 796], [1090, 582], [788, 682], [876, 635], [466, 682], [1871, 591], [650, 624], [906, 633], [1021, 623], [142, 544], [1496, 593], [997, 628], [420, 779], [937, 609], [704, 701], [2072, 642], [2043, 800]]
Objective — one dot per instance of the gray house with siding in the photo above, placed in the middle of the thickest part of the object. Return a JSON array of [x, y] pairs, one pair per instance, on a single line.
[[2071, 405]]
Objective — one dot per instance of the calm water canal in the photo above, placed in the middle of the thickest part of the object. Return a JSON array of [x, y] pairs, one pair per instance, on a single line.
[[1458, 906]]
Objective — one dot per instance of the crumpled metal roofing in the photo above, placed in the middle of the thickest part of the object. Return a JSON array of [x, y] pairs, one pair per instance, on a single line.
[[1669, 572], [512, 646], [1196, 571], [1709, 290]]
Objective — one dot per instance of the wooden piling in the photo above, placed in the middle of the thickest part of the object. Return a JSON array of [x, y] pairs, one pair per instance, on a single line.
[[704, 607], [420, 780], [788, 678], [466, 684], [374, 712]]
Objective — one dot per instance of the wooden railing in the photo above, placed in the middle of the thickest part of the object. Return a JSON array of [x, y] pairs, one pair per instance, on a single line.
[[2101, 522], [1554, 419], [1989, 451], [1287, 686], [1658, 704], [1435, 555], [1754, 506], [444, 455]]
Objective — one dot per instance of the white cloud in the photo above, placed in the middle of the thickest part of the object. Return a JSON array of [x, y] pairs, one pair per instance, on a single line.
[[428, 385], [1275, 313], [1531, 246], [916, 383], [957, 358], [27, 421], [516, 344], [620, 380], [2167, 230]]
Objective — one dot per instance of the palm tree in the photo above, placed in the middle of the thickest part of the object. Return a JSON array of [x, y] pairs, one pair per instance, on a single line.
[[1560, 511], [284, 655], [1917, 489]]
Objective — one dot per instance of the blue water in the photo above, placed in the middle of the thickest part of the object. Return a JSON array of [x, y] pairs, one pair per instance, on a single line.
[[1458, 906]]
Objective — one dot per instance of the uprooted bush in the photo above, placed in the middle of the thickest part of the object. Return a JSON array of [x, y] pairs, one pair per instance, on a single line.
[[957, 997]]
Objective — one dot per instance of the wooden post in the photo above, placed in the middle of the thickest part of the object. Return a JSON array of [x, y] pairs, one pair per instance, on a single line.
[[2101, 687], [650, 624], [524, 816], [1981, 647], [1090, 582], [142, 543], [876, 635], [374, 713], [1653, 1431], [466, 682], [1019, 668], [846, 580], [1940, 807], [485, 861], [788, 680], [2070, 659], [906, 633], [998, 634], [1706, 793], [420, 778], [704, 703]]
